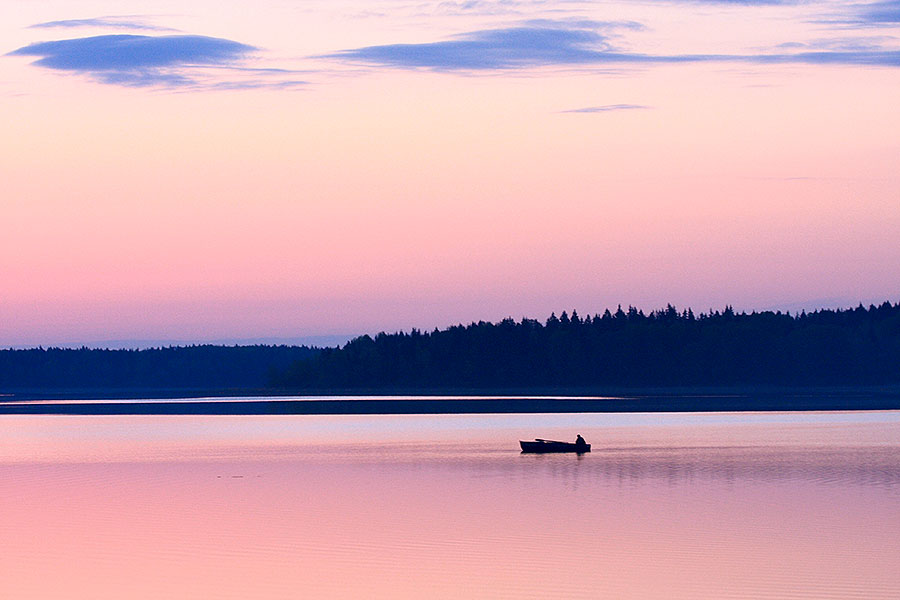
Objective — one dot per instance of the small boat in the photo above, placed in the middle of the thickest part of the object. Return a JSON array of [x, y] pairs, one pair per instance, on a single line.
[[539, 446]]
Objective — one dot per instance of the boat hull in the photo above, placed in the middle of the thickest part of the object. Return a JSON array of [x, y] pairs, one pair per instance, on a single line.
[[550, 447]]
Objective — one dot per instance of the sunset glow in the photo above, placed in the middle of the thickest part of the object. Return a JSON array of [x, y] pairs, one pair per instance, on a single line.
[[312, 168]]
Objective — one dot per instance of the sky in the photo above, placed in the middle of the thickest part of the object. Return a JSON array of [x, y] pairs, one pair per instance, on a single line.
[[288, 170]]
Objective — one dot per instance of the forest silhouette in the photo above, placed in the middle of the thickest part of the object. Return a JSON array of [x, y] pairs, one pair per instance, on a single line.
[[199, 367], [625, 348]]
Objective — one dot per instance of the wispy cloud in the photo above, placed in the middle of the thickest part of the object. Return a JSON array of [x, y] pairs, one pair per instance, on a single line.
[[565, 43], [606, 108], [852, 44], [174, 61], [494, 7], [609, 28], [883, 13], [512, 8], [521, 7], [744, 2], [887, 12], [110, 22], [104, 53], [530, 45], [861, 58]]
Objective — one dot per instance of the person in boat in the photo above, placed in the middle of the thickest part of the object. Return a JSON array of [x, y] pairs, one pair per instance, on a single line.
[[579, 441]]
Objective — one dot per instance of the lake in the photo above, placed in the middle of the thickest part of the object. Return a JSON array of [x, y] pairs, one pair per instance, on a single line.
[[668, 505]]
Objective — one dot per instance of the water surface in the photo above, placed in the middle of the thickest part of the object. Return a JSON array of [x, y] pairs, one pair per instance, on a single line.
[[701, 505]]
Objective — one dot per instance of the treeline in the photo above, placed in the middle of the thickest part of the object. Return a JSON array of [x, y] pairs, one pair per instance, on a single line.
[[625, 348], [195, 367]]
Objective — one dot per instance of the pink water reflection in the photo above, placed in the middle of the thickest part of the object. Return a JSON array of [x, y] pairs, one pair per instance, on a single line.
[[223, 515]]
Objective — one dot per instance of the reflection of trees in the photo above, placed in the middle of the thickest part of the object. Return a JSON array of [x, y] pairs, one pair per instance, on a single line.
[[869, 467]]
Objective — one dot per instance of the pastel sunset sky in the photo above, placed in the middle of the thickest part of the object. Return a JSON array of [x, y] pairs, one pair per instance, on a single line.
[[221, 170]]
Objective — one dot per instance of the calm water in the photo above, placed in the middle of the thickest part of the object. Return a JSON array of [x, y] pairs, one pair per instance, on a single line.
[[763, 505]]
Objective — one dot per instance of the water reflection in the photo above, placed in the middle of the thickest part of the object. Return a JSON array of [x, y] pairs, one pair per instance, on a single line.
[[738, 506]]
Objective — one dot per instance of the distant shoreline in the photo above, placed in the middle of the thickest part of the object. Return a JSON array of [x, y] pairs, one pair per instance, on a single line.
[[342, 402]]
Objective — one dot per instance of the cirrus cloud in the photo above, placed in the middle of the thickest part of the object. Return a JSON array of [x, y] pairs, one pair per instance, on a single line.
[[171, 61], [110, 22], [883, 13], [546, 44], [529, 45], [104, 53], [606, 108]]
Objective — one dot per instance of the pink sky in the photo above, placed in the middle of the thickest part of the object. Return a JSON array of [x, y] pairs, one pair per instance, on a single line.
[[509, 160]]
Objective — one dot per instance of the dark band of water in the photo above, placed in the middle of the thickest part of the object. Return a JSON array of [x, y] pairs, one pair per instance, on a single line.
[[361, 405]]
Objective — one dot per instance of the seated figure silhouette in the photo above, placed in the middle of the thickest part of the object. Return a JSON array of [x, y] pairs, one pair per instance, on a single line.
[[579, 441]]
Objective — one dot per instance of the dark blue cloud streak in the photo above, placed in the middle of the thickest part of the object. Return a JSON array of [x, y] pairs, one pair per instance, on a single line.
[[883, 13], [102, 22], [886, 12], [746, 2], [491, 49], [539, 46], [129, 52], [606, 108], [137, 60]]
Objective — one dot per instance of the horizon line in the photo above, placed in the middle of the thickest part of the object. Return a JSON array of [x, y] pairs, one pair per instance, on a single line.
[[338, 340]]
